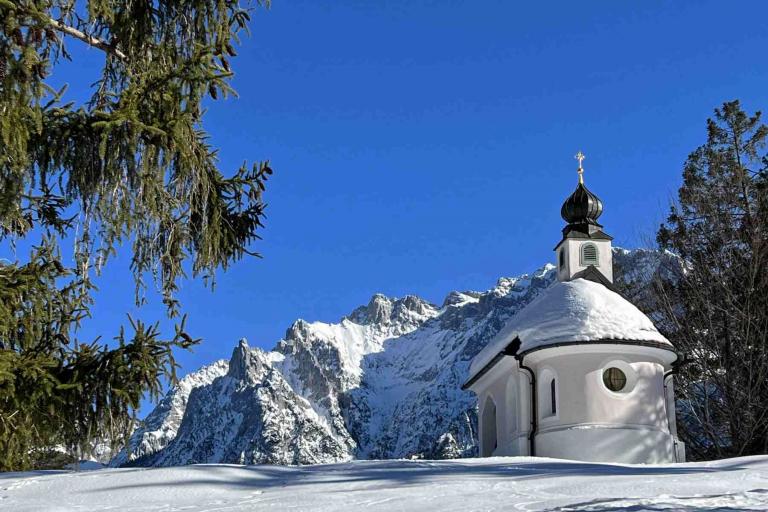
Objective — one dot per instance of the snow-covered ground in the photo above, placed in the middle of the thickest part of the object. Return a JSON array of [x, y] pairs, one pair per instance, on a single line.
[[504, 483]]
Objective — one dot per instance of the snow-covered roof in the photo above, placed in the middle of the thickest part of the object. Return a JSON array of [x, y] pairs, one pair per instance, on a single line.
[[578, 310]]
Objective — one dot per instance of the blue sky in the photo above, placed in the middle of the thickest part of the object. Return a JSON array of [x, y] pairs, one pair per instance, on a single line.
[[426, 146]]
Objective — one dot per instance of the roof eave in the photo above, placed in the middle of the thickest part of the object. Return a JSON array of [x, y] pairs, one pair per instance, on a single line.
[[575, 234], [604, 341], [512, 350]]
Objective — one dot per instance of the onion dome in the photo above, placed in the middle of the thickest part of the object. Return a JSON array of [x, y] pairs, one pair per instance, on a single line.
[[582, 207]]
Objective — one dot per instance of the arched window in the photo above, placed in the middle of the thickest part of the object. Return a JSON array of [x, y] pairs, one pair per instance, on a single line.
[[562, 259], [488, 432], [589, 254], [553, 396], [547, 393]]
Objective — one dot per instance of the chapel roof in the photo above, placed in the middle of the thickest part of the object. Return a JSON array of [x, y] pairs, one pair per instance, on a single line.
[[580, 310]]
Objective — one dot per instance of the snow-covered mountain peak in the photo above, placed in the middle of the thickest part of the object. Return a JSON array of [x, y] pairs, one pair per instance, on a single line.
[[548, 267], [247, 364], [378, 310], [385, 311], [520, 285], [460, 298]]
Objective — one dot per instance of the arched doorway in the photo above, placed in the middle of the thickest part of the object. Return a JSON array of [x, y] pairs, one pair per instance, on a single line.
[[488, 435]]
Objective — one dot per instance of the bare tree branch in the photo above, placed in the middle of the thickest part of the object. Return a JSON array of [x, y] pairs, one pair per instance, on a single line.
[[71, 31], [90, 40]]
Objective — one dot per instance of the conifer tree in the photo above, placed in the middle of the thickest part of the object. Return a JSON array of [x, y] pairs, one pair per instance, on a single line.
[[130, 167], [716, 308]]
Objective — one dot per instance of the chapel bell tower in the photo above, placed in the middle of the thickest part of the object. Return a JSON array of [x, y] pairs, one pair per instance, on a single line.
[[585, 250]]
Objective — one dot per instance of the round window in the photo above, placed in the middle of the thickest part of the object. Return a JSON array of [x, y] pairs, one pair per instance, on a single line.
[[614, 379]]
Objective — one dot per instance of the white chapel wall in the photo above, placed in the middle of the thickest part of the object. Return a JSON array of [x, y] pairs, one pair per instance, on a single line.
[[504, 385], [593, 423]]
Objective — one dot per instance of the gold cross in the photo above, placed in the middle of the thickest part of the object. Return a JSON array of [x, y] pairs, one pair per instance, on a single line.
[[580, 157]]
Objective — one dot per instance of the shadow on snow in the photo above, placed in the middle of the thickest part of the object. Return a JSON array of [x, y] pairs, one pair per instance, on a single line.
[[412, 473]]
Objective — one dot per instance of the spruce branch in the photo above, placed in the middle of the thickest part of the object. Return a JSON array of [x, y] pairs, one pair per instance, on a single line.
[[133, 165]]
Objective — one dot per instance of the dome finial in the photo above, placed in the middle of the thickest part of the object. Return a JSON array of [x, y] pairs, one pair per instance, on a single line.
[[580, 157]]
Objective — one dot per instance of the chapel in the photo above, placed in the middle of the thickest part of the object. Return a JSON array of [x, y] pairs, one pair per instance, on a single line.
[[580, 373]]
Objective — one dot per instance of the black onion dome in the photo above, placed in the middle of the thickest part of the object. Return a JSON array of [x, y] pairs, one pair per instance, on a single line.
[[582, 207]]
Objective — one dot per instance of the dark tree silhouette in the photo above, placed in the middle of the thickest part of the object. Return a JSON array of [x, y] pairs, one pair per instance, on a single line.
[[716, 307]]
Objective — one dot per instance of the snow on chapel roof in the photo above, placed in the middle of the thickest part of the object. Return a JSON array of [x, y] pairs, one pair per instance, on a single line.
[[578, 310]]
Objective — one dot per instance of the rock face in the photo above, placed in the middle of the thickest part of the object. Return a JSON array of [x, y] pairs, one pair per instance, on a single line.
[[161, 426], [384, 382]]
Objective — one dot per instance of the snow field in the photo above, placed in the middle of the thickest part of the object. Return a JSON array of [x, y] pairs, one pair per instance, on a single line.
[[501, 483]]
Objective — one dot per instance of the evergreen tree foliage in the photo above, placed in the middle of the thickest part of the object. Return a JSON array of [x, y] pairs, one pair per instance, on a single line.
[[130, 167], [716, 308]]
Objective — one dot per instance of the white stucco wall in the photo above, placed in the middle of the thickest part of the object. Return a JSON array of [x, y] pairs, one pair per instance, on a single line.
[[594, 423], [591, 422], [510, 390], [573, 264]]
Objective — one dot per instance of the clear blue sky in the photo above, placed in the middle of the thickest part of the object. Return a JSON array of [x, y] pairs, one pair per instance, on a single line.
[[426, 146]]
